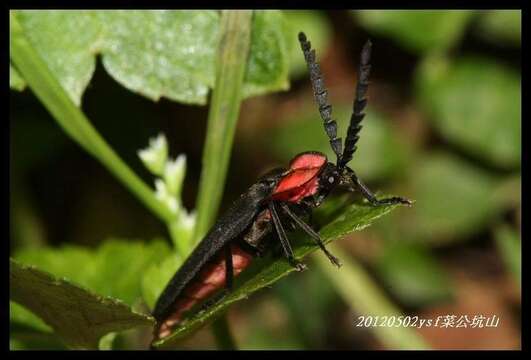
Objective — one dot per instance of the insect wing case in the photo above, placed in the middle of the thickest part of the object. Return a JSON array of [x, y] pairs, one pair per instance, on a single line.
[[229, 226]]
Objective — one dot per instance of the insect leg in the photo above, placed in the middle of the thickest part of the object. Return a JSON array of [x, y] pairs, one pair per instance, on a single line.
[[372, 198], [288, 251], [315, 236]]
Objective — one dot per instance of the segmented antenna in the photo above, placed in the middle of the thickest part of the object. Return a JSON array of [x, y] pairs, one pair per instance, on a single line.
[[321, 95], [359, 105]]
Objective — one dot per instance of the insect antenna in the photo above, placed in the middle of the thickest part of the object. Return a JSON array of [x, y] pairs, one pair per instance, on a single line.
[[360, 101], [321, 95]]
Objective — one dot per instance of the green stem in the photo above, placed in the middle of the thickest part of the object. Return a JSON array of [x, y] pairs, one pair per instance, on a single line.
[[223, 115], [181, 244], [233, 49], [223, 335], [357, 288], [48, 90]]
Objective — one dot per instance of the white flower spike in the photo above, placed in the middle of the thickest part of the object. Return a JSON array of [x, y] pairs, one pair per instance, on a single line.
[[155, 155]]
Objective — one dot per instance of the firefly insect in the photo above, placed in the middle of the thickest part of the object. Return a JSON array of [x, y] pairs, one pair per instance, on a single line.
[[284, 195]]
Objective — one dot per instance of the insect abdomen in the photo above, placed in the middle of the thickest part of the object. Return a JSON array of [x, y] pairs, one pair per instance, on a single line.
[[210, 279]]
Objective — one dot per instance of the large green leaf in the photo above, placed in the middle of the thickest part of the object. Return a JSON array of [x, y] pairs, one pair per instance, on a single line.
[[417, 30], [114, 269], [66, 40], [161, 53], [268, 270], [156, 53], [78, 316], [476, 104]]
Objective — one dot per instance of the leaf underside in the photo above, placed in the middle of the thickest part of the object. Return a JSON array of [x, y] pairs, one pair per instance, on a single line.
[[78, 316]]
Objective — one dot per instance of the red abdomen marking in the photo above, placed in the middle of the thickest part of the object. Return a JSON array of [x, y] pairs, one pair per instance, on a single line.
[[209, 280], [302, 180]]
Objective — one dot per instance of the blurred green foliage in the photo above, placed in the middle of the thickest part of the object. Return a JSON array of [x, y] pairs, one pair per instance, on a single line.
[[510, 247], [315, 26], [157, 276], [412, 274], [381, 154], [417, 30], [455, 199], [475, 103], [306, 329], [500, 26]]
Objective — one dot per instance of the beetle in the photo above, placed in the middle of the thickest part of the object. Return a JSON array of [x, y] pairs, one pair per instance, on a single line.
[[282, 195]]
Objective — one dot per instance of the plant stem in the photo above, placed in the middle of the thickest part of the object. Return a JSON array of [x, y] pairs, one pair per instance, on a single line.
[[52, 95], [363, 295], [223, 335], [182, 245], [233, 49], [223, 115]]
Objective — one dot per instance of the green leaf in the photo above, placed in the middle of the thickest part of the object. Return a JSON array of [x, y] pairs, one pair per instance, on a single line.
[[454, 199], [476, 104], [412, 274], [20, 315], [106, 341], [381, 153], [420, 31], [16, 81], [125, 263], [162, 53], [78, 316], [268, 64], [509, 246], [317, 28], [152, 52], [501, 26], [66, 41], [157, 276], [266, 271], [115, 269]]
